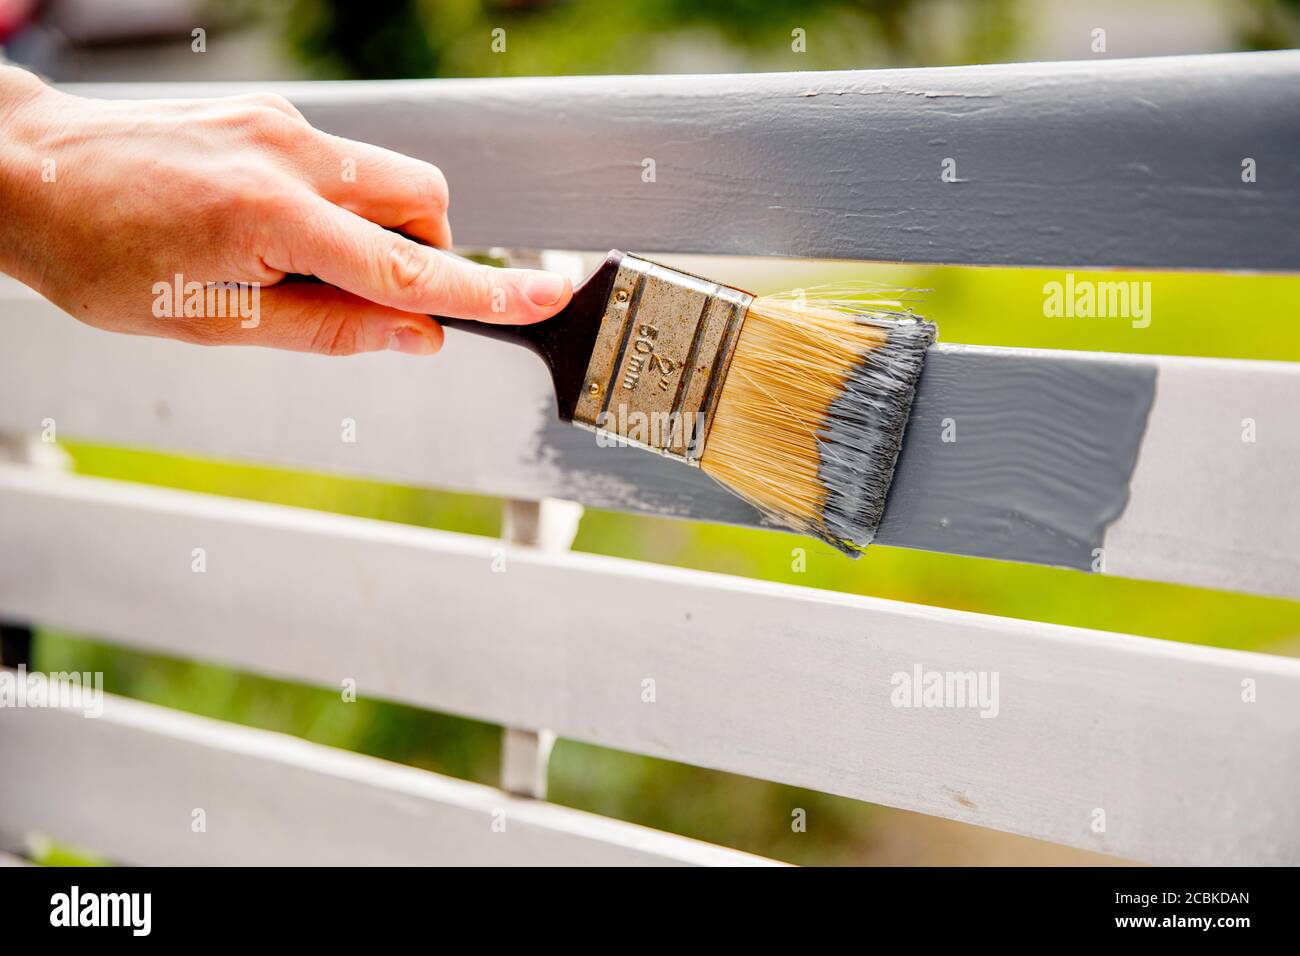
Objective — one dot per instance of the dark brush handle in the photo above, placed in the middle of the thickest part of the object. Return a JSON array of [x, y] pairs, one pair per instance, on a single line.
[[564, 341]]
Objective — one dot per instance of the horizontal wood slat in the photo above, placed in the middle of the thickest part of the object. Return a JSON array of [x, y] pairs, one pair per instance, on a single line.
[[127, 785], [784, 683], [1094, 163], [1051, 447]]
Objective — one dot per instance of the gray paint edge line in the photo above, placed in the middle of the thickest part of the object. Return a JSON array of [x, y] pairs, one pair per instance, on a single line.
[[1213, 495], [1008, 456], [1107, 163], [1014, 454]]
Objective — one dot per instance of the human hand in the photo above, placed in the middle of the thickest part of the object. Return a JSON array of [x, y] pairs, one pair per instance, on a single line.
[[106, 203]]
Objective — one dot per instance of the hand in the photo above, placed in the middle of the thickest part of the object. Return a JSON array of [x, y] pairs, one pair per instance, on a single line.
[[124, 213]]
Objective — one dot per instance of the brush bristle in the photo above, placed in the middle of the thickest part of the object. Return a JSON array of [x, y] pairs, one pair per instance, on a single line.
[[811, 415]]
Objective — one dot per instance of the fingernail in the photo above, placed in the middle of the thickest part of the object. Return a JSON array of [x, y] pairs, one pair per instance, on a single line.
[[411, 342], [544, 288]]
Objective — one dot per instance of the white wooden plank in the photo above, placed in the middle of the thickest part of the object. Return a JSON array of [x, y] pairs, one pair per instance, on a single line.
[[447, 423], [1095, 163], [779, 682], [1215, 497], [128, 785]]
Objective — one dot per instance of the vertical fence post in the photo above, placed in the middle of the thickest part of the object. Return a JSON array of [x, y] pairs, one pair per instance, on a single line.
[[548, 525]]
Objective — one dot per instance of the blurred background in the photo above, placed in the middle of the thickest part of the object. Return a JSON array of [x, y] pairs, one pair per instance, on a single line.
[[314, 39], [153, 40]]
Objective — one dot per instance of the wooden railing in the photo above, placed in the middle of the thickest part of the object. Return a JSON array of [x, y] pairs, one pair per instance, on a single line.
[[1107, 164]]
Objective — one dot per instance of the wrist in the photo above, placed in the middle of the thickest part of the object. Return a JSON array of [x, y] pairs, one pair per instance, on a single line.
[[23, 171]]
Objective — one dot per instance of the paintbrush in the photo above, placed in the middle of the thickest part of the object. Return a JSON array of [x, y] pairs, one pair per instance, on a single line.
[[798, 409]]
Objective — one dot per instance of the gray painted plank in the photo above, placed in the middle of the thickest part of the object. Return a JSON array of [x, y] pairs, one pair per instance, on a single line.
[[127, 785], [1125, 163], [1046, 441], [783, 683]]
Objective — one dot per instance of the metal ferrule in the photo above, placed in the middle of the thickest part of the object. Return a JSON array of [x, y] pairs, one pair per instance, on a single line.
[[662, 353]]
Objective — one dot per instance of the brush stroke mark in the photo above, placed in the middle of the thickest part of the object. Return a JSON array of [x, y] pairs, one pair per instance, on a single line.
[[1046, 446], [1041, 461], [627, 478]]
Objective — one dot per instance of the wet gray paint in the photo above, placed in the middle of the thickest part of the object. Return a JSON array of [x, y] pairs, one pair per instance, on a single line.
[[1039, 461], [1045, 445], [1127, 163]]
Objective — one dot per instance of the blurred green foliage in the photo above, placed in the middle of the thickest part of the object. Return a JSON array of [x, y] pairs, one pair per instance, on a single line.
[[421, 38], [1268, 24], [390, 39]]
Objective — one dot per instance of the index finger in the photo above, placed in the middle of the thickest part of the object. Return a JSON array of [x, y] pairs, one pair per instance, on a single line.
[[350, 252]]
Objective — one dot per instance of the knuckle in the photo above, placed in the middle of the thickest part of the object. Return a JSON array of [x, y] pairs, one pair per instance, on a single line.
[[410, 269], [436, 193], [268, 126], [274, 101], [337, 334], [282, 104]]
